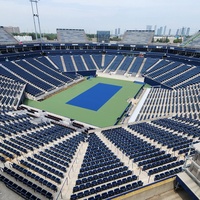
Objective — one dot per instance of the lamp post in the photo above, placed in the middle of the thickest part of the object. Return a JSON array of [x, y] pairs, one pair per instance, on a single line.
[[35, 14], [34, 19]]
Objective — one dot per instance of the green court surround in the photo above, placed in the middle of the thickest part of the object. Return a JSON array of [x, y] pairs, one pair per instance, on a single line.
[[105, 116]]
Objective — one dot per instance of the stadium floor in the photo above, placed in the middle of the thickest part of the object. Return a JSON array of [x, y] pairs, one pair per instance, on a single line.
[[57, 103]]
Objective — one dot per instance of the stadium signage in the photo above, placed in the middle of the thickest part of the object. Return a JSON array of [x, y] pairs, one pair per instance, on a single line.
[[11, 46], [48, 44]]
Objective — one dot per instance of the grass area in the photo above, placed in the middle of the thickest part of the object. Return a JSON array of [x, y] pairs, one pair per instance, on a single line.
[[105, 116]]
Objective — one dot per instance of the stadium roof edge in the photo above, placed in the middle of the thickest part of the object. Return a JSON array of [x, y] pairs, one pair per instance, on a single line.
[[153, 46]]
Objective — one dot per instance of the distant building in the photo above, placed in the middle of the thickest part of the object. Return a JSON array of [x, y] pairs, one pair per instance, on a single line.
[[183, 31], [155, 28], [188, 31], [177, 32], [165, 28], [160, 31], [23, 38], [103, 36], [169, 31], [118, 31], [11, 29]]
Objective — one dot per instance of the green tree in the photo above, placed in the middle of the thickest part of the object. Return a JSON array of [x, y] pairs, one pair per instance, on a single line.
[[178, 40], [115, 38], [49, 36], [91, 36]]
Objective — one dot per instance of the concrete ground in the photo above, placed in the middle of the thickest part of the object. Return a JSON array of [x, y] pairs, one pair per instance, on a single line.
[[172, 195]]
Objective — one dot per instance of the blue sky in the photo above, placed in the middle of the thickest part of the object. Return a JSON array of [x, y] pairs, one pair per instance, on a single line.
[[93, 15]]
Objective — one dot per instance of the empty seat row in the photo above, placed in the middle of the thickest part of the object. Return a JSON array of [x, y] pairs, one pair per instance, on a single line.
[[85, 171], [55, 159], [165, 167], [109, 193], [40, 171], [113, 175], [168, 173], [28, 183], [6, 153], [10, 149], [16, 188], [46, 167], [49, 162], [35, 177], [116, 180]]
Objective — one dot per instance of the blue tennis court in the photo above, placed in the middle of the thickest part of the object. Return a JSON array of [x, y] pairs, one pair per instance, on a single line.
[[95, 97]]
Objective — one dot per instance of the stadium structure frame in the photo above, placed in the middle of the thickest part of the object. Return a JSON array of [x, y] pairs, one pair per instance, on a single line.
[[35, 14]]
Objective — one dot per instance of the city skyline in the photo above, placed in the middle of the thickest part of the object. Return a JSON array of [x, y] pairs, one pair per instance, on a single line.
[[101, 15]]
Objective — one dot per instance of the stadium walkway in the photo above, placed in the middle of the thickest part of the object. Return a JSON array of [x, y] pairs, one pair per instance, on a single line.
[[120, 77], [139, 106]]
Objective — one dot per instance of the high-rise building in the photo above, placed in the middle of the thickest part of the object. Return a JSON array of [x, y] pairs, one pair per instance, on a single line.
[[155, 28], [177, 32], [118, 31], [183, 31], [161, 30], [169, 32], [188, 31], [158, 31], [165, 28]]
